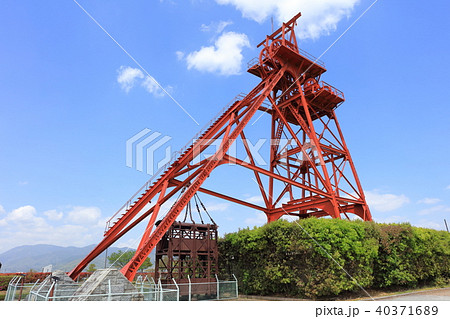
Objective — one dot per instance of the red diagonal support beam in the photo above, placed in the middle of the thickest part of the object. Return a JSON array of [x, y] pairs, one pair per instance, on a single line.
[[311, 174]]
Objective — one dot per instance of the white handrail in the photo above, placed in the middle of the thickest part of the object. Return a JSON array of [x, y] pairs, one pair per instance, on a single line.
[[190, 288], [218, 287], [178, 289], [237, 291], [49, 291]]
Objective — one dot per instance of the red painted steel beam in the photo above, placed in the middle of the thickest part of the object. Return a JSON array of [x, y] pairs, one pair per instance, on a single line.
[[226, 197], [273, 175], [280, 67], [230, 136]]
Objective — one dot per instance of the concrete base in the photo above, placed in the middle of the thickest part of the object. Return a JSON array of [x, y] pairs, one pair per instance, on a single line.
[[107, 284], [64, 286], [62, 278]]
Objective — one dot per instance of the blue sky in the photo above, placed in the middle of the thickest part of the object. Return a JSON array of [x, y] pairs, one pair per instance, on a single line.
[[70, 98]]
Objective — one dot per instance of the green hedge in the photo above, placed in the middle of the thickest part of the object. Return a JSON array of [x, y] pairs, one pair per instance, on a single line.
[[284, 258]]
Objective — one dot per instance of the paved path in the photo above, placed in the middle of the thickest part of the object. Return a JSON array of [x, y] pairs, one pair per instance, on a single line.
[[442, 294], [439, 294]]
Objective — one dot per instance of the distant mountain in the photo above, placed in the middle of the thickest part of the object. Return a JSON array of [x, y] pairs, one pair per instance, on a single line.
[[36, 257]]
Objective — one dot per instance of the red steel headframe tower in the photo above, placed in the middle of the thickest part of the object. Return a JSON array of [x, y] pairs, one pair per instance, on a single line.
[[310, 171]]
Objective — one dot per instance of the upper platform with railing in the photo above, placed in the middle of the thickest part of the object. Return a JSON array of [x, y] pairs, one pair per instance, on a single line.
[[281, 47], [322, 94]]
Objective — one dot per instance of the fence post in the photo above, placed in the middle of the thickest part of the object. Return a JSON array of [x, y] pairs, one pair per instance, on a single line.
[[153, 289], [50, 291], [13, 296], [178, 289], [218, 287], [39, 290], [142, 284], [109, 289], [22, 279], [31, 290], [9, 290], [160, 290], [190, 288], [237, 292]]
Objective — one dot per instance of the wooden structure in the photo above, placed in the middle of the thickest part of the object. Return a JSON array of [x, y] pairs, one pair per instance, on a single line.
[[187, 249]]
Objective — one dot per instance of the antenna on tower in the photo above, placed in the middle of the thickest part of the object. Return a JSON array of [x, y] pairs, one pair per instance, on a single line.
[[271, 20]]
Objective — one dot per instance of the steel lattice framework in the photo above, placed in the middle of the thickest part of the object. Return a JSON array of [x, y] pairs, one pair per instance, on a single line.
[[311, 175]]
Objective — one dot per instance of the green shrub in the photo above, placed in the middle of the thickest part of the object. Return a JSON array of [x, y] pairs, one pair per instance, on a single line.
[[410, 255], [304, 258]]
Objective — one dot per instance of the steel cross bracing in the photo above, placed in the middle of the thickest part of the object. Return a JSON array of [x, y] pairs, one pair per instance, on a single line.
[[310, 175]]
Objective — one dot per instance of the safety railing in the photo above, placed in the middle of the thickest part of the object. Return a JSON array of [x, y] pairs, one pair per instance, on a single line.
[[18, 290], [328, 87], [145, 290], [212, 290], [311, 57], [254, 61]]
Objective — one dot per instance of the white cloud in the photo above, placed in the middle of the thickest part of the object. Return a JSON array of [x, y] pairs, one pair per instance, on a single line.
[[385, 202], [258, 219], [128, 77], [2, 210], [435, 210], [283, 200], [218, 207], [129, 243], [180, 55], [26, 226], [152, 87], [429, 201], [54, 214], [22, 213], [448, 187], [224, 57], [25, 215], [216, 27], [391, 219], [319, 17], [255, 199], [84, 215], [429, 224]]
